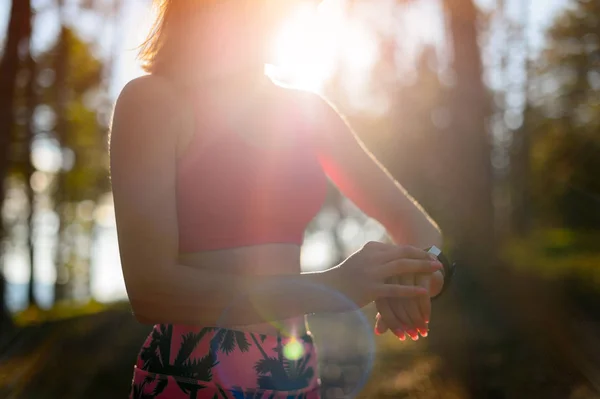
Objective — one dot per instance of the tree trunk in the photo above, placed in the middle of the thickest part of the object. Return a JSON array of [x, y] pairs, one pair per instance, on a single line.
[[466, 166], [17, 33], [61, 288], [469, 148], [520, 163], [31, 104], [18, 27]]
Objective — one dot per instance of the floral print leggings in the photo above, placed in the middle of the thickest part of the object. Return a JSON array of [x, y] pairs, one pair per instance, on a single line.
[[215, 363]]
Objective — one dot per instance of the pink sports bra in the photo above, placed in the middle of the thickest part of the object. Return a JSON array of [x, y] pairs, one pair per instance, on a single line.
[[232, 192]]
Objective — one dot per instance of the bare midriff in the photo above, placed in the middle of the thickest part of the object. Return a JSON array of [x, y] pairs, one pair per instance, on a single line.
[[258, 260]]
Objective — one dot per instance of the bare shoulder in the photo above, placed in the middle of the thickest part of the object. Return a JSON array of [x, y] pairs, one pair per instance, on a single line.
[[149, 106], [147, 85], [149, 94], [325, 120]]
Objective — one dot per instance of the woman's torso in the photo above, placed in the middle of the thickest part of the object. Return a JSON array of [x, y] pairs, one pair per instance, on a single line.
[[248, 184], [267, 259]]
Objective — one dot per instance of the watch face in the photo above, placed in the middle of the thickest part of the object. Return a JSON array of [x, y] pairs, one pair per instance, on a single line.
[[435, 251]]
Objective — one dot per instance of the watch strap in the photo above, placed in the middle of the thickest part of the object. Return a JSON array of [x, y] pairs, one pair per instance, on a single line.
[[448, 268]]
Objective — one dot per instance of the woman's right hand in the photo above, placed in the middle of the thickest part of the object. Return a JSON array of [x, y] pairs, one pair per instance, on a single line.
[[362, 276]]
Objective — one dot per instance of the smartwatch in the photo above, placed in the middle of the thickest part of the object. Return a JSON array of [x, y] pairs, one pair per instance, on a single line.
[[448, 268]]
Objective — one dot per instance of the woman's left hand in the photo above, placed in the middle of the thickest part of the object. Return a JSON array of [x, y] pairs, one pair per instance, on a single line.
[[407, 316]]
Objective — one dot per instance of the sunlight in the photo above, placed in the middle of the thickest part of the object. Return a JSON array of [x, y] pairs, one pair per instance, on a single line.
[[315, 40]]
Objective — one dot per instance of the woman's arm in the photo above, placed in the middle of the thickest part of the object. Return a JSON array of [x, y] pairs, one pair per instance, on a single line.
[[363, 180], [147, 125]]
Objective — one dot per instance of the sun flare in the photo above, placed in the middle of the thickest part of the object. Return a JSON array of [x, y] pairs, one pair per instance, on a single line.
[[314, 41]]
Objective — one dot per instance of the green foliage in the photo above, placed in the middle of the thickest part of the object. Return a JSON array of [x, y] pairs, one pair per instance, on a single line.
[[81, 132], [61, 311], [557, 253], [565, 123]]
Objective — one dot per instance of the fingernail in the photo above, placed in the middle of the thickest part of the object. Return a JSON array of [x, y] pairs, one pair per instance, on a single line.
[[402, 337], [376, 331], [413, 334], [423, 332]]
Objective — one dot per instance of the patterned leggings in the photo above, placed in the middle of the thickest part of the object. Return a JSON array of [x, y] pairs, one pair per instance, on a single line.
[[214, 363]]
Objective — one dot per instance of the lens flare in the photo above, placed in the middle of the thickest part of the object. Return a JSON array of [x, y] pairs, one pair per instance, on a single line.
[[293, 350]]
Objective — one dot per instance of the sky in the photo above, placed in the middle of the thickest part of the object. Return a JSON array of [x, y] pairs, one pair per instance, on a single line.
[[419, 24]]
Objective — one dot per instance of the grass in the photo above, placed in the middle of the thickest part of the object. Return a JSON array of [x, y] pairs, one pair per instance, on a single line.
[[63, 310]]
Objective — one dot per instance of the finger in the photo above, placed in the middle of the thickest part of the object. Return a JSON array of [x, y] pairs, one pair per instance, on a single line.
[[404, 251], [408, 280], [424, 302], [387, 304], [414, 312], [398, 308], [401, 306], [415, 319], [380, 326], [389, 318], [406, 266], [398, 291]]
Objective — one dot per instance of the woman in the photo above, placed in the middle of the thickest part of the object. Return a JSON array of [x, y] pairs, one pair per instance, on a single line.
[[216, 172]]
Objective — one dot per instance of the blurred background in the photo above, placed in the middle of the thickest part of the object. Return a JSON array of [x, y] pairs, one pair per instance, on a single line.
[[486, 111]]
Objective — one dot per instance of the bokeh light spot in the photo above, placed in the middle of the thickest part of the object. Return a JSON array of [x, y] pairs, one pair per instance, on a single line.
[[293, 350]]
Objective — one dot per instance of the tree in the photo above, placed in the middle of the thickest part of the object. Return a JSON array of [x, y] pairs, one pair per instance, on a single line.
[[78, 134], [436, 134], [63, 83], [30, 104], [466, 153], [18, 33], [564, 121], [78, 98], [439, 149], [520, 163], [435, 141]]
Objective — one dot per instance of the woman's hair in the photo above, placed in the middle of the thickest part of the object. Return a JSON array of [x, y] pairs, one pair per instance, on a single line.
[[162, 43], [173, 18], [152, 48]]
